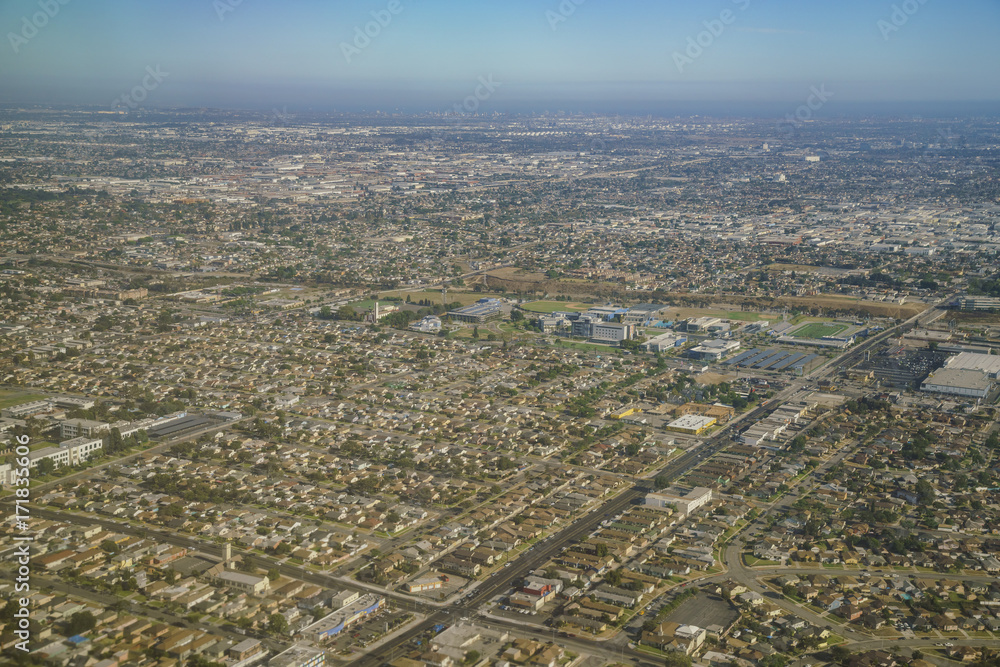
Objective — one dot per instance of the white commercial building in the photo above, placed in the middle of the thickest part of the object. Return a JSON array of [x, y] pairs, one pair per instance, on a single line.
[[972, 361], [713, 350], [702, 323], [70, 453], [26, 409], [955, 382], [74, 428], [664, 342], [246, 583], [684, 503], [692, 634], [691, 424]]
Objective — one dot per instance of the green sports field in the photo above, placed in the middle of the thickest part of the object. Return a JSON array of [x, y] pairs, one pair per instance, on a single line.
[[12, 397], [818, 330], [553, 306]]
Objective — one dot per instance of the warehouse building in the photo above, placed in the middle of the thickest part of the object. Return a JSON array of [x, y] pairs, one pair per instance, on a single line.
[[335, 623], [482, 311], [607, 313], [979, 303], [956, 382], [74, 402], [713, 350], [26, 409], [971, 361], [691, 424], [701, 323]]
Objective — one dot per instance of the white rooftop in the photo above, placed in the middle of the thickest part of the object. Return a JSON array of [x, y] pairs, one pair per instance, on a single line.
[[973, 361]]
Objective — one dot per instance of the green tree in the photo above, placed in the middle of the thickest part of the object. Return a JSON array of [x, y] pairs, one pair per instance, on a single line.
[[277, 624], [80, 622], [46, 467], [677, 659], [840, 654], [925, 491]]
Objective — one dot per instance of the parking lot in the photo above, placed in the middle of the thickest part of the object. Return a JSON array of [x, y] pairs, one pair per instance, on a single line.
[[540, 617], [704, 610], [368, 631]]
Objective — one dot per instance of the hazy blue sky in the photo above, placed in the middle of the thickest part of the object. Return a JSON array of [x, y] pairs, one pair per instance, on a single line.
[[606, 54]]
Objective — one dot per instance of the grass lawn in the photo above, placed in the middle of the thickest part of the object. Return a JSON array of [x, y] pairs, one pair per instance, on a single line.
[[752, 561], [467, 333], [589, 347], [41, 444], [743, 316], [650, 650], [367, 304], [9, 397], [818, 330], [553, 306], [434, 295], [887, 632]]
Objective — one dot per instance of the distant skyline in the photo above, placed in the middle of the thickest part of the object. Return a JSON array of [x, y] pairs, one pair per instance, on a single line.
[[642, 56]]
